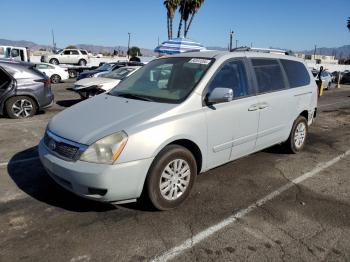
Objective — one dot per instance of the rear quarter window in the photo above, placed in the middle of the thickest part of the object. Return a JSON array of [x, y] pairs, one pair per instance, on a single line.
[[296, 72]]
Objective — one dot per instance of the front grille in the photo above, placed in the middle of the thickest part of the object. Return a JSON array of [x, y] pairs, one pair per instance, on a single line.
[[62, 149]]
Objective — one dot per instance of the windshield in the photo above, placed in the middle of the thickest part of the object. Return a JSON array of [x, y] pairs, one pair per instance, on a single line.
[[105, 67], [120, 73], [168, 80]]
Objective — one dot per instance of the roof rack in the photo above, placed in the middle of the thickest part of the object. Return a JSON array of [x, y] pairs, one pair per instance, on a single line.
[[262, 50]]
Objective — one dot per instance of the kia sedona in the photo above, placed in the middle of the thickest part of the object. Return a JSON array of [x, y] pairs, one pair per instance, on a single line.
[[176, 117]]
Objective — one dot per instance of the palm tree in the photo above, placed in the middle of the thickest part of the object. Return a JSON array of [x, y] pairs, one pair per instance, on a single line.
[[348, 25], [185, 7], [195, 6], [171, 6]]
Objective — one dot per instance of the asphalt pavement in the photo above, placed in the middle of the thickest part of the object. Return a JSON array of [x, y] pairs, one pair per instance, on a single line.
[[269, 206]]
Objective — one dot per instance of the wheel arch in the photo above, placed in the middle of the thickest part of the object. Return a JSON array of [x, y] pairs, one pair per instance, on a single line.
[[193, 148], [305, 114], [19, 94]]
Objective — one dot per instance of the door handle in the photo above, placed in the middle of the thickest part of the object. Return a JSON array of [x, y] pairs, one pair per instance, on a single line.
[[263, 105], [253, 108]]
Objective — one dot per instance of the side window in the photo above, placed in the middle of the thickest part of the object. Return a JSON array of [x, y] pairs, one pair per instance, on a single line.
[[4, 80], [296, 72], [232, 75], [41, 66], [74, 52], [83, 52], [268, 75], [66, 52]]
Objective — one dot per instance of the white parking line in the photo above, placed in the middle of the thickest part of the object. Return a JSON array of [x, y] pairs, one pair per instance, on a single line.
[[199, 237], [18, 161]]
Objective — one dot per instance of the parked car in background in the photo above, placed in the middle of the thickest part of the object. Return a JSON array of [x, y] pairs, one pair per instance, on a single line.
[[107, 67], [326, 78], [345, 79], [89, 87], [67, 56], [23, 89], [154, 138], [93, 73], [54, 72]]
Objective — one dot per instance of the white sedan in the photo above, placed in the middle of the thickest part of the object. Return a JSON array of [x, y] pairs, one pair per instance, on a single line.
[[89, 87], [54, 72]]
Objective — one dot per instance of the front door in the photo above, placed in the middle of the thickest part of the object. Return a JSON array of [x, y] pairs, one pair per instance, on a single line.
[[232, 126]]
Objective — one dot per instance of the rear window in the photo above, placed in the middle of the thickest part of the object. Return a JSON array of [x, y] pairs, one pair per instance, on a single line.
[[83, 52], [296, 72], [268, 75]]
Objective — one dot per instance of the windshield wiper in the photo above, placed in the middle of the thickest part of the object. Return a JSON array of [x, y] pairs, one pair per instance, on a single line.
[[132, 96]]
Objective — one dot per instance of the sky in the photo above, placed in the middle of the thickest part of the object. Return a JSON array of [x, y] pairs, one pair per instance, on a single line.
[[290, 24]]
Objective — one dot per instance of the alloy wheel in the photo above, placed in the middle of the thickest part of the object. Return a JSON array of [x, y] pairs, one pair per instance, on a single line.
[[22, 108], [299, 135], [175, 179]]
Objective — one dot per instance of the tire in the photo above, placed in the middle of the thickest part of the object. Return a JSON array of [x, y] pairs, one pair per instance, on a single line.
[[298, 135], [20, 107], [72, 73], [169, 159], [82, 62], [54, 61], [55, 79]]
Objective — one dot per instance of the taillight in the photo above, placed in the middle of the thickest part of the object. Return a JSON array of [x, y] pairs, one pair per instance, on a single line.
[[46, 82]]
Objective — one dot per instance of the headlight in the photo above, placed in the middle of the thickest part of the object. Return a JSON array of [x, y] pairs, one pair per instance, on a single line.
[[106, 150]]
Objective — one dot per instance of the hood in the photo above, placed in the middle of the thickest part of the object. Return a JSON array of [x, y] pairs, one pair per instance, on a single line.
[[86, 82], [102, 115]]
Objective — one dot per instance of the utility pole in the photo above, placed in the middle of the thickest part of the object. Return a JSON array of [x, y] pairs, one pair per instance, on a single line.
[[128, 45], [315, 52], [53, 40], [231, 36]]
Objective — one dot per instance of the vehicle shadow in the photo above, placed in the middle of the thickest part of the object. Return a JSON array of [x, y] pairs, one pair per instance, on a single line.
[[31, 177], [68, 103]]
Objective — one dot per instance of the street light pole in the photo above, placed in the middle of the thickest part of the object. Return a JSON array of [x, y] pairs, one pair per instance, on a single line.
[[315, 52], [128, 51], [53, 40], [231, 36]]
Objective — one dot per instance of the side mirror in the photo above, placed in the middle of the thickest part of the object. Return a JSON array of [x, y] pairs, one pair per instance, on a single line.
[[220, 95]]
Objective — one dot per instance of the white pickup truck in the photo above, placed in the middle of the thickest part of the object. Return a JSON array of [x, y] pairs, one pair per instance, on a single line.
[[67, 56]]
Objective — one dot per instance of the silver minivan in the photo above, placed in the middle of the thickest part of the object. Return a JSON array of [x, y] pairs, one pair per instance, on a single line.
[[177, 117]]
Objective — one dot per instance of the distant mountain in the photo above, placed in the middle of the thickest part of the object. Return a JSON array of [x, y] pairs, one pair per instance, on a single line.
[[92, 48], [23, 43], [342, 52]]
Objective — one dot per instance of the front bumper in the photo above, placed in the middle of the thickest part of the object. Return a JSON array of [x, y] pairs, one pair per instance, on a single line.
[[101, 182]]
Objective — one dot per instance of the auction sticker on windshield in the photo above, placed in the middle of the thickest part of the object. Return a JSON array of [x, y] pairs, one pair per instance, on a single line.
[[199, 61]]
